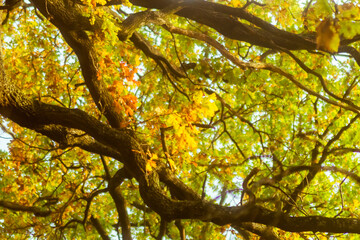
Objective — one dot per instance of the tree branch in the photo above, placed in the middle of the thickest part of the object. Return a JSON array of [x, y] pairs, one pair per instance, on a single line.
[[99, 228], [38, 212]]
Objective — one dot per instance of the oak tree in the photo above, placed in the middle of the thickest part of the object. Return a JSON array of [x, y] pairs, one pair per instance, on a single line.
[[172, 119]]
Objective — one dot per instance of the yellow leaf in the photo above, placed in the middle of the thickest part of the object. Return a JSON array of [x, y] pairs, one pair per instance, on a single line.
[[327, 35], [154, 156], [150, 164], [148, 167], [324, 6], [171, 163], [198, 97]]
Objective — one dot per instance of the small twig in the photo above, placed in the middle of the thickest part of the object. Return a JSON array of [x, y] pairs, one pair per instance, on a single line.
[[107, 172], [181, 229], [246, 187], [248, 3], [342, 199], [203, 188], [162, 230]]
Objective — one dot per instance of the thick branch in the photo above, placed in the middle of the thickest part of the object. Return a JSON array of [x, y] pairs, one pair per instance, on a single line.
[[33, 114], [99, 228], [18, 207], [115, 192], [66, 19], [222, 19]]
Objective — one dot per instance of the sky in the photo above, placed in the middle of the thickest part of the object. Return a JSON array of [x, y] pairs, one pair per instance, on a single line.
[[4, 140]]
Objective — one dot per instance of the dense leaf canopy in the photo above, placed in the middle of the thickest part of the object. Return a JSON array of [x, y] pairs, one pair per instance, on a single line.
[[171, 119]]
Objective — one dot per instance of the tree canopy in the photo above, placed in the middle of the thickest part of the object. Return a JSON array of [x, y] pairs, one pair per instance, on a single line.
[[172, 119]]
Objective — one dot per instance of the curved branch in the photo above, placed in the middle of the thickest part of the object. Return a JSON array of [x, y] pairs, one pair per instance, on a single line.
[[34, 114], [317, 167], [38, 212], [223, 19], [99, 228], [67, 19], [261, 230], [115, 192]]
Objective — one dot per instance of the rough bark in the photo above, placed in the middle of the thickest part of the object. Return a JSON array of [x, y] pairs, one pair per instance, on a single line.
[[73, 127]]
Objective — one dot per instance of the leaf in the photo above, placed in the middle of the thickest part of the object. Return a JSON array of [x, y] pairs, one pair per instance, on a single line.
[[349, 29], [348, 11], [324, 6], [327, 35], [171, 164], [148, 167], [92, 116]]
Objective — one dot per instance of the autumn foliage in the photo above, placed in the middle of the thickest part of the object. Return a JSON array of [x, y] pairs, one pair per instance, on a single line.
[[159, 119]]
